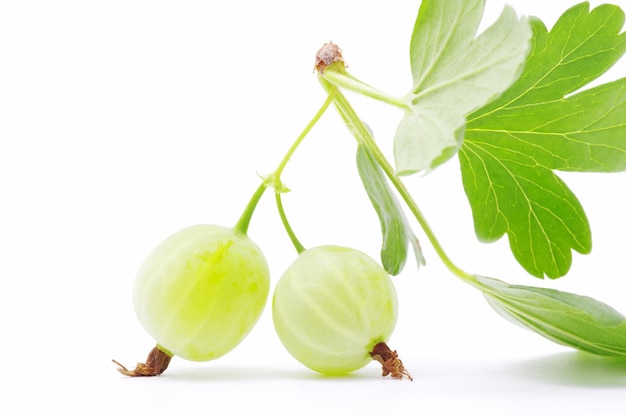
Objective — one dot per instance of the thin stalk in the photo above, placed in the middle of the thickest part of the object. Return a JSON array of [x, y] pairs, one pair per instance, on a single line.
[[244, 221], [364, 137], [283, 217], [341, 78], [273, 179], [329, 99]]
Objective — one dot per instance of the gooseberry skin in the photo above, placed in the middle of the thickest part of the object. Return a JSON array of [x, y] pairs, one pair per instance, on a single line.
[[332, 306], [201, 291]]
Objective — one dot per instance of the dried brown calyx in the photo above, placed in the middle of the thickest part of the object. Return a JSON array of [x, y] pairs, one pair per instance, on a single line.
[[156, 363], [327, 55], [390, 362]]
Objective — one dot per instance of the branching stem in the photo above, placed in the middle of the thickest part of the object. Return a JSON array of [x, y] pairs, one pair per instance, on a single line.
[[273, 180], [363, 135]]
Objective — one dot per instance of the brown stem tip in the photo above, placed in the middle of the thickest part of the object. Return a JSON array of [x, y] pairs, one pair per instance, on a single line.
[[327, 55], [390, 362], [156, 363]]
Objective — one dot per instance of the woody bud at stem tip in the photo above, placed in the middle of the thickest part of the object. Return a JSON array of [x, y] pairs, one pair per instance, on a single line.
[[327, 55]]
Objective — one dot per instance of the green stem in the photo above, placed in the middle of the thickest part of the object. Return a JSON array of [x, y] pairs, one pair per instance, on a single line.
[[338, 76], [362, 134], [283, 217], [273, 179], [244, 221], [279, 170]]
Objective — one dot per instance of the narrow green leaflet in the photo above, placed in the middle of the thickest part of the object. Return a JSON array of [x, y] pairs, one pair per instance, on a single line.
[[396, 231], [454, 73], [513, 144], [565, 318]]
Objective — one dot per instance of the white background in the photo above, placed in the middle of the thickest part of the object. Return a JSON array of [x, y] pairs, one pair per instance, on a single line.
[[124, 121]]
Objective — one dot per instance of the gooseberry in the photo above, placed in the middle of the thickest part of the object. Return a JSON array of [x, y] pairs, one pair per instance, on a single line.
[[334, 309], [198, 294]]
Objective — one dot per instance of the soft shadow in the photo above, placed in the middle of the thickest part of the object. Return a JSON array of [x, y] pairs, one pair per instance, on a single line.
[[575, 369], [250, 374]]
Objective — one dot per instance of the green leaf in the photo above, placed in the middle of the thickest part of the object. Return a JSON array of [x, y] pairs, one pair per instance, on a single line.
[[454, 73], [513, 144], [565, 318], [396, 231]]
